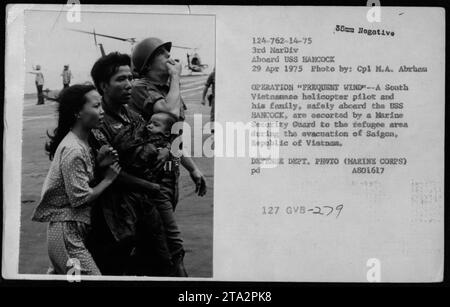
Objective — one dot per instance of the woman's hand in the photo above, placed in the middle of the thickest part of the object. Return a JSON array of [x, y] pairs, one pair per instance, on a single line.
[[112, 172], [106, 156]]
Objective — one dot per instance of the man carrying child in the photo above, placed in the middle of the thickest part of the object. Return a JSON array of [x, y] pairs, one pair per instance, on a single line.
[[131, 232]]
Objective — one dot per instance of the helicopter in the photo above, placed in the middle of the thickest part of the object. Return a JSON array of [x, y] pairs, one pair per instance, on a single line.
[[194, 63]]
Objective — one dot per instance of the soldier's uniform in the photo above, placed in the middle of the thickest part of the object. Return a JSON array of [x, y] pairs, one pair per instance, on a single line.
[[146, 93]]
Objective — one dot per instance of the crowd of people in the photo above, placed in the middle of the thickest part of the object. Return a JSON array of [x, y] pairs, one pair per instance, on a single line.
[[112, 188]]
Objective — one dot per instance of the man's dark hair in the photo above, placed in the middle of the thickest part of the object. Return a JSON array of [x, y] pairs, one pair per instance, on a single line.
[[106, 66]]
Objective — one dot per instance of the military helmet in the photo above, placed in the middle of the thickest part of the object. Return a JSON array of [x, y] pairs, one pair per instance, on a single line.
[[143, 51]]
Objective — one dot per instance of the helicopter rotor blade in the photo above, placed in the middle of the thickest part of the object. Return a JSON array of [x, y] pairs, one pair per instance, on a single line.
[[95, 38], [104, 35], [131, 40], [181, 47]]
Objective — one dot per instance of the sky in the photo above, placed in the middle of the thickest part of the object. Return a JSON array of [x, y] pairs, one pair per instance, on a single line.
[[49, 43]]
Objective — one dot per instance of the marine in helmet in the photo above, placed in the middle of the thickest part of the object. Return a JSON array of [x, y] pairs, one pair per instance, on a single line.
[[158, 90]]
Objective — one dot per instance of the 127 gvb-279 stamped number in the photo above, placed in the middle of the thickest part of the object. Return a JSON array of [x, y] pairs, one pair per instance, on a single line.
[[325, 210]]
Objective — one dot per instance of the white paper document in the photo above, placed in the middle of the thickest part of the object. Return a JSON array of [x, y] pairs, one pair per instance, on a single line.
[[321, 147]]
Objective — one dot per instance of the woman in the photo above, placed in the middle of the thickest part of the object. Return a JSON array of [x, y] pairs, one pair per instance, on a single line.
[[68, 190]]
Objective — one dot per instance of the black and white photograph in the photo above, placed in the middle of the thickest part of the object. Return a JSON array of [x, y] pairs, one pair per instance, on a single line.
[[322, 162], [102, 190]]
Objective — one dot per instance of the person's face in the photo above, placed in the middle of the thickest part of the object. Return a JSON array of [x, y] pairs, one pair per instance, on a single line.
[[158, 64], [158, 124], [91, 114], [119, 87]]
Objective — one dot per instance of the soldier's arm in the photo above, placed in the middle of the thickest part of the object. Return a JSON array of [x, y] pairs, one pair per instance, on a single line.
[[172, 102]]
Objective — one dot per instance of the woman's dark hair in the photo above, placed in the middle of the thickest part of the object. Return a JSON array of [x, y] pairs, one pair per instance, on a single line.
[[71, 101], [106, 66]]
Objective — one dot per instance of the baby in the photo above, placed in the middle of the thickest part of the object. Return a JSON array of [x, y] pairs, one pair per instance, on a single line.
[[140, 144]]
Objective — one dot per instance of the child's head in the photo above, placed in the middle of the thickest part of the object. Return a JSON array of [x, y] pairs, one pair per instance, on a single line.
[[162, 123]]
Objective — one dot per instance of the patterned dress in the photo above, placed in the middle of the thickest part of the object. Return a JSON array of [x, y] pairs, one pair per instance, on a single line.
[[63, 205]]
